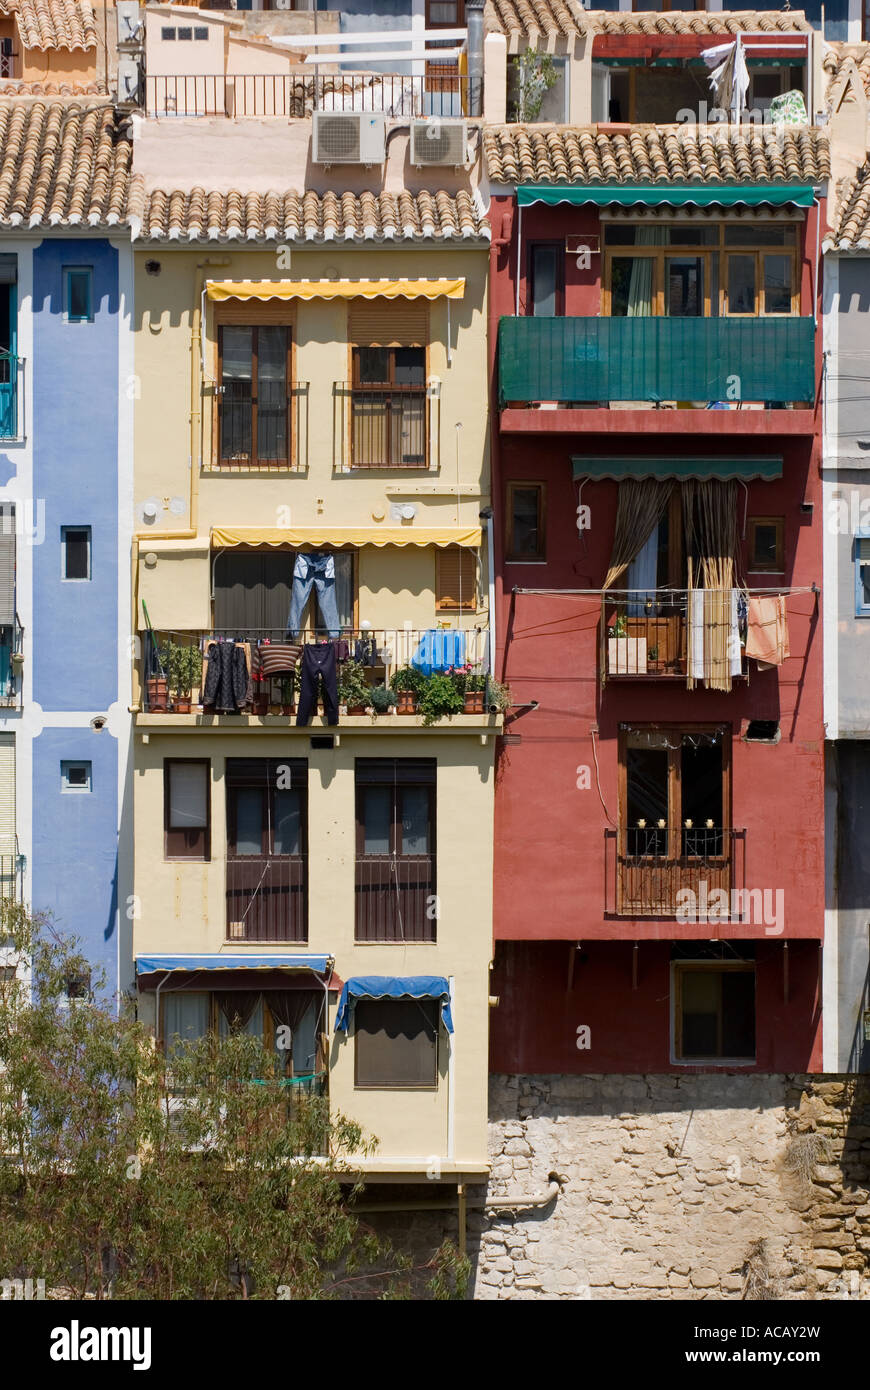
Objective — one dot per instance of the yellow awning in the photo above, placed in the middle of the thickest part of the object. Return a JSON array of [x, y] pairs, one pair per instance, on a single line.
[[224, 536], [335, 289]]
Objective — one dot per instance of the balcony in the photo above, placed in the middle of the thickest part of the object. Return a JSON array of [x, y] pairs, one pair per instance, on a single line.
[[385, 427], [664, 366], [668, 634], [267, 897], [647, 869], [11, 664], [9, 370], [394, 897], [438, 93], [267, 430], [11, 874]]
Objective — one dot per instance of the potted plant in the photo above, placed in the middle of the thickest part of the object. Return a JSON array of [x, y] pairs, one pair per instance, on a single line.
[[353, 688], [158, 694], [183, 666], [498, 696], [288, 690], [626, 656], [474, 687], [409, 684], [383, 699], [439, 698]]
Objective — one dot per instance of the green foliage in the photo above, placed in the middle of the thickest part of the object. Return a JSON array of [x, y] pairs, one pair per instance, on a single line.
[[409, 678], [383, 699], [353, 688], [499, 694], [183, 667], [288, 689], [534, 74], [440, 697]]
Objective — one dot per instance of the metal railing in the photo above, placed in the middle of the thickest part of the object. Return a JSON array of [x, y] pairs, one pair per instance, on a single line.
[[385, 427], [266, 430], [9, 369], [647, 869], [659, 633], [267, 897], [395, 898], [11, 877], [380, 652], [437, 93], [686, 361], [11, 649]]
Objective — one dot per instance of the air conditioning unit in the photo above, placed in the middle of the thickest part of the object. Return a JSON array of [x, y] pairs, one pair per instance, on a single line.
[[349, 137], [130, 26], [439, 142], [129, 81]]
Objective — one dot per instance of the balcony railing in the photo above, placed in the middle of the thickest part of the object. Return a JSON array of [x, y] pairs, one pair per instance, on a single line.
[[9, 369], [11, 648], [11, 876], [395, 898], [267, 897], [596, 361], [662, 633], [298, 96], [380, 651], [648, 871], [385, 427], [266, 430]]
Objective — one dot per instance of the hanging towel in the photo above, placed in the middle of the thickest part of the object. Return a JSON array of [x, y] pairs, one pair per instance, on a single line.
[[734, 635], [438, 650], [767, 631]]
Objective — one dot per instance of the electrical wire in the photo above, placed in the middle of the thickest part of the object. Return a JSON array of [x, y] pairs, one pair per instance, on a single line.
[[598, 783]]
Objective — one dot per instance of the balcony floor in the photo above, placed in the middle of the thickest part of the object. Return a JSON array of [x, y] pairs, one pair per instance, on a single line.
[[473, 724], [565, 420]]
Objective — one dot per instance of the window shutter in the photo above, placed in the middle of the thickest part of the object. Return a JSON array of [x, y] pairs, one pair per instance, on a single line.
[[188, 796], [7, 795], [456, 580], [250, 312], [388, 322], [7, 565]]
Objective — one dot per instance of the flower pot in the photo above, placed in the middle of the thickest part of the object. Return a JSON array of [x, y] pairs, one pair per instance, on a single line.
[[473, 702], [288, 709], [357, 709], [181, 704], [158, 693], [274, 709], [260, 705], [406, 702]]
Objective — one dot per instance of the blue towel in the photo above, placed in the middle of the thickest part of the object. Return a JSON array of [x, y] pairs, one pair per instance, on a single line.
[[438, 649]]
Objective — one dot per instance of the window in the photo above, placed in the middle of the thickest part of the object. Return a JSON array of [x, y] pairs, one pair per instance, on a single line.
[[76, 552], [200, 34], [75, 776], [78, 986], [714, 1011], [267, 801], [526, 522], [766, 544], [78, 294], [187, 808], [691, 271], [456, 580], [167, 33], [253, 410], [396, 1043], [252, 592], [185, 33], [187, 1016], [862, 574], [388, 405], [547, 279], [395, 849], [674, 795]]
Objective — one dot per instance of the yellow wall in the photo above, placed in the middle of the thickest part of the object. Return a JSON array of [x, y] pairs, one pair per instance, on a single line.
[[182, 909], [59, 64]]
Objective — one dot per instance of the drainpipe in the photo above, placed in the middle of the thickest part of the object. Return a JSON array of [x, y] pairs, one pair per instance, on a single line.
[[474, 45], [496, 245], [486, 515]]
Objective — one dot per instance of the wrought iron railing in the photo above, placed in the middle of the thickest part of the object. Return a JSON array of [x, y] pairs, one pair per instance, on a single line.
[[437, 93], [665, 871], [267, 897], [385, 426], [659, 633], [395, 898], [11, 877], [10, 366], [11, 664], [263, 429]]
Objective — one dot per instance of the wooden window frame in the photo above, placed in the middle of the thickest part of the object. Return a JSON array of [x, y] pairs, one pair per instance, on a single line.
[[396, 775], [681, 968], [466, 607], [559, 248], [510, 553], [381, 1085], [395, 817], [384, 388], [252, 461], [778, 564], [264, 785], [169, 852], [674, 816]]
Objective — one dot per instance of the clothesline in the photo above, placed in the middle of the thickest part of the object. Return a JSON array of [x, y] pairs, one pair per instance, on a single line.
[[772, 591]]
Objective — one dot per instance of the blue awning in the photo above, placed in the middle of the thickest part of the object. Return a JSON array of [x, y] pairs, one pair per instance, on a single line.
[[147, 965], [393, 987]]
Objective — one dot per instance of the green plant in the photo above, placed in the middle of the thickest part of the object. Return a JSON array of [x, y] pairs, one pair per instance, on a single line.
[[467, 678], [499, 694], [288, 689], [383, 699], [534, 74], [409, 678], [183, 667], [620, 627], [353, 688], [440, 697], [653, 653]]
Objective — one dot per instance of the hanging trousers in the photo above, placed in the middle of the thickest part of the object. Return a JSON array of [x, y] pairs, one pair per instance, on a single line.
[[318, 659]]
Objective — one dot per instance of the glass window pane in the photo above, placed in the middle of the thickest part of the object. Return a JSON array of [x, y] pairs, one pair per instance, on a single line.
[[701, 994], [865, 584], [410, 366], [777, 284], [632, 283], [237, 344], [525, 521], [741, 284], [235, 399], [76, 553], [647, 800], [272, 393], [764, 550], [377, 815], [738, 1013], [78, 292], [288, 822], [415, 820], [684, 286], [185, 1017], [373, 364], [249, 820], [545, 267], [188, 796], [759, 234]]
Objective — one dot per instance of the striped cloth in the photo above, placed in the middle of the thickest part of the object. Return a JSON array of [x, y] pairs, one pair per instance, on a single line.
[[279, 658]]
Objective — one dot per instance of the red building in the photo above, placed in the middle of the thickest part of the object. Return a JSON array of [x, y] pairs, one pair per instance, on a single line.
[[659, 901]]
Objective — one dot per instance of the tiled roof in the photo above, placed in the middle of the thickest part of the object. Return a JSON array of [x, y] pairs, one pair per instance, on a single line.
[[200, 215], [533, 19], [836, 61], [47, 24], [656, 154], [62, 164], [852, 232], [15, 87]]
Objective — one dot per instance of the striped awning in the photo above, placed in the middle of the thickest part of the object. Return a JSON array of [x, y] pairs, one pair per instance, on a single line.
[[223, 537], [149, 965], [335, 289]]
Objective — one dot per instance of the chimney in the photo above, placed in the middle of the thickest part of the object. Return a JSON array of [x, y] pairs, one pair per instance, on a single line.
[[474, 21]]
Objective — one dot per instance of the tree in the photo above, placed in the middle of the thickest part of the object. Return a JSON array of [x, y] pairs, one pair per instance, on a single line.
[[128, 1174]]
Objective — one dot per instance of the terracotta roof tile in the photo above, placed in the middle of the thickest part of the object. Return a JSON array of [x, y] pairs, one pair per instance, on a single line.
[[15, 87], [852, 232], [533, 19], [837, 61], [45, 24], [62, 164], [200, 215], [656, 154]]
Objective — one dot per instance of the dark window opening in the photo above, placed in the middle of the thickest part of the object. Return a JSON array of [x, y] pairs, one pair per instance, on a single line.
[[715, 1013], [762, 731], [396, 1043], [187, 808]]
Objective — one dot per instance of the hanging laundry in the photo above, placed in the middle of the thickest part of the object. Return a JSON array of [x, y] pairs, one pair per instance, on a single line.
[[280, 658], [318, 663], [364, 651], [315, 570], [438, 649], [226, 680], [767, 630]]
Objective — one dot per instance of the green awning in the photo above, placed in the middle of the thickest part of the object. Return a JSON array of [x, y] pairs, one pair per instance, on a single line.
[[700, 469], [704, 195]]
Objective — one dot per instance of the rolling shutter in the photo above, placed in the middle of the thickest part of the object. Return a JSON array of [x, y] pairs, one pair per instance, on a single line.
[[456, 580], [7, 564], [7, 801], [388, 322]]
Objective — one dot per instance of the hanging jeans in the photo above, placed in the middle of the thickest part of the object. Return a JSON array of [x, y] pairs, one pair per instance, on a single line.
[[318, 659], [314, 571]]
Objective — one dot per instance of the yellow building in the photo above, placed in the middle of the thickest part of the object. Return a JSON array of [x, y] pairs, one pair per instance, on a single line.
[[311, 455]]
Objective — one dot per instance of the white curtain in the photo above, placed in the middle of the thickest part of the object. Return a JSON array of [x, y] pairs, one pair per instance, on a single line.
[[640, 288], [642, 574]]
